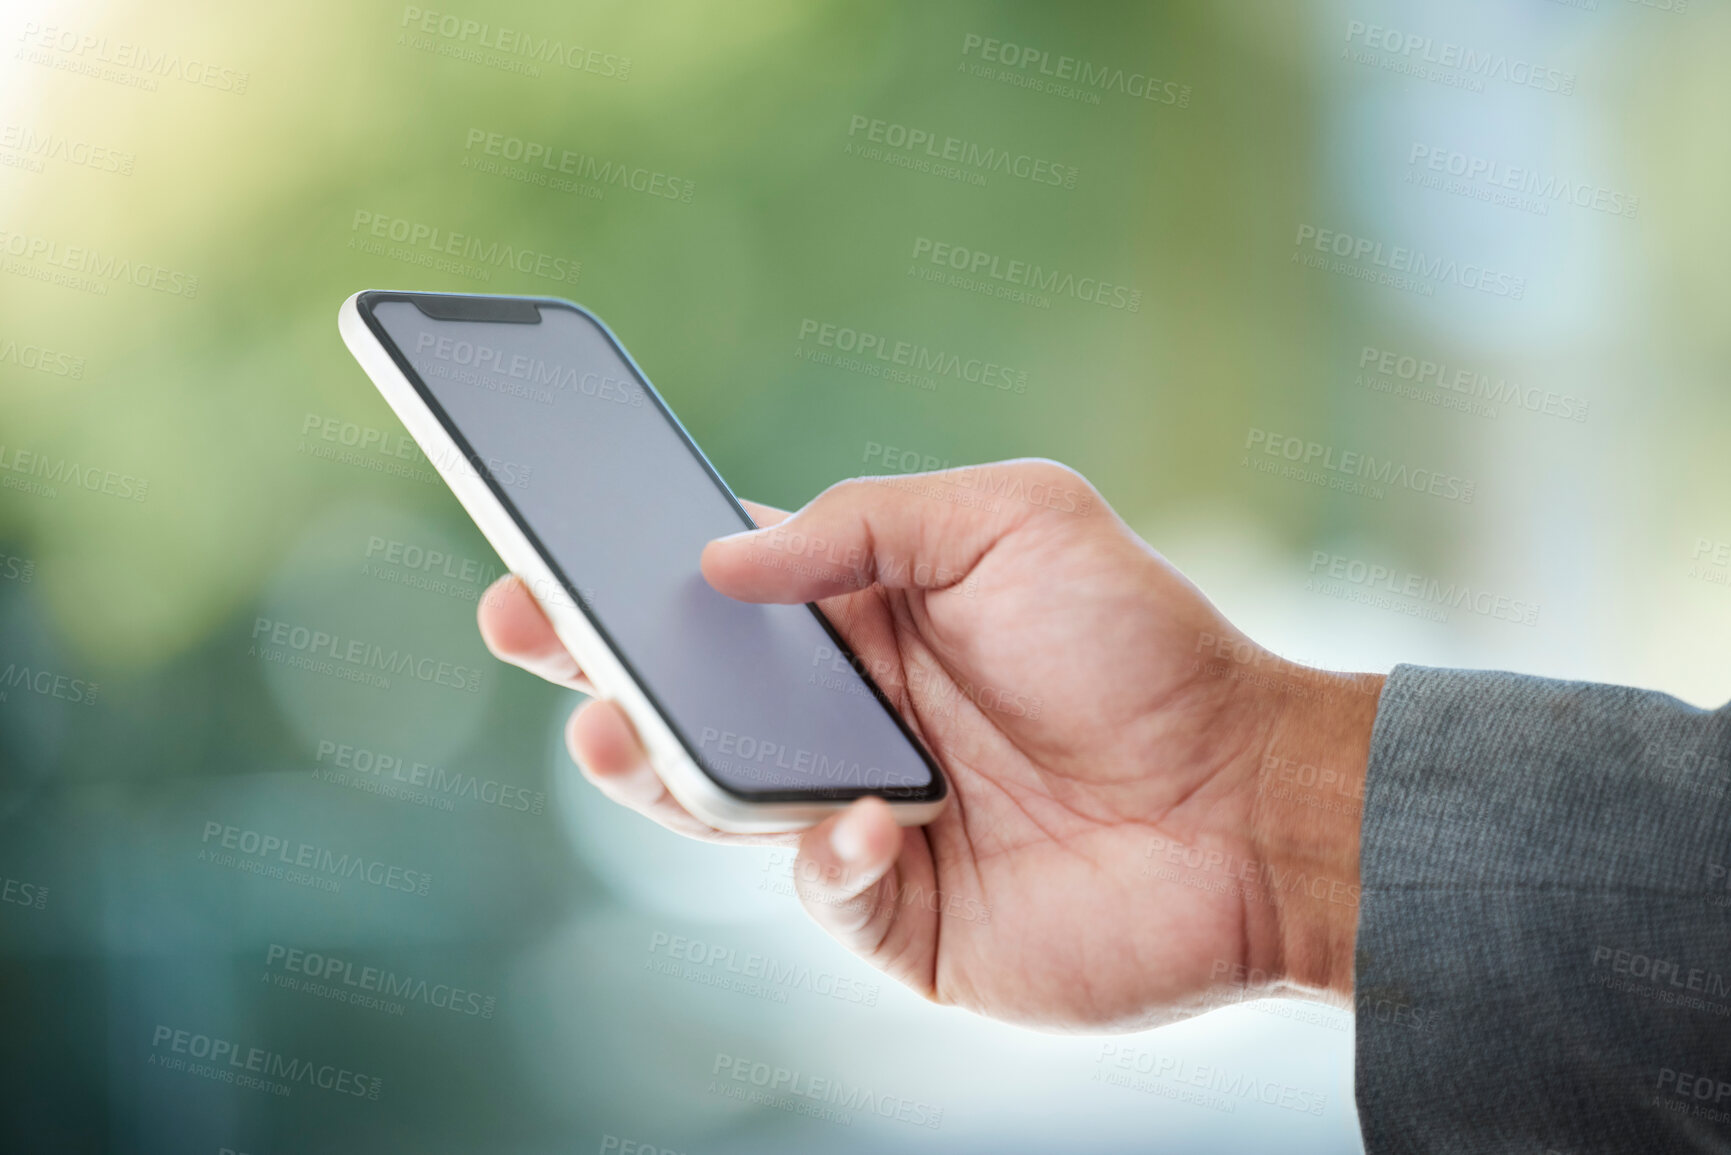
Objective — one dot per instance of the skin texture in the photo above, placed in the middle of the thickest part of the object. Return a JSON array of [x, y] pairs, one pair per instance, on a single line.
[[1135, 832]]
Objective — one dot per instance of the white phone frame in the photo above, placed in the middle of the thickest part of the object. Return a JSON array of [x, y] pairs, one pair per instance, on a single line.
[[685, 780]]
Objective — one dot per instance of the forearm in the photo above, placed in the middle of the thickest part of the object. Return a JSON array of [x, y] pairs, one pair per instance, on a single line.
[[1544, 948]]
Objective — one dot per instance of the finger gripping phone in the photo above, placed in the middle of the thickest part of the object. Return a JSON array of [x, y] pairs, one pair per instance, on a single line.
[[756, 717]]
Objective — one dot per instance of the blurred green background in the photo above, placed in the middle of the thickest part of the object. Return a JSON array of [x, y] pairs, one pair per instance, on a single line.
[[255, 148]]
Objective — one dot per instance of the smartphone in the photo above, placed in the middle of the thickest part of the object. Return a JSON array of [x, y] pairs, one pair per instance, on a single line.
[[757, 717]]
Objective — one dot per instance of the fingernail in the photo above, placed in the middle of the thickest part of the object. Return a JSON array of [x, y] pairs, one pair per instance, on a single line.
[[848, 838]]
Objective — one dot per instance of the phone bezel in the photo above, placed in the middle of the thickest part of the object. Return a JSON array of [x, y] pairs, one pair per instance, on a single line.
[[934, 791]]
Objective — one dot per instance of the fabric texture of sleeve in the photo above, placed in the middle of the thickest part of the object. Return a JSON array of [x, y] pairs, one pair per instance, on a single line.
[[1544, 940]]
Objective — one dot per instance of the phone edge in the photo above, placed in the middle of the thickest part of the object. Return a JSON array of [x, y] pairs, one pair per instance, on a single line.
[[684, 779]]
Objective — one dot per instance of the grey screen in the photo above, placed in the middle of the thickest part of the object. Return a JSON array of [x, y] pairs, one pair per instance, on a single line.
[[763, 697]]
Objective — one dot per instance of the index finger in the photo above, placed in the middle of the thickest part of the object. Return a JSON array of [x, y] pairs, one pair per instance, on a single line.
[[916, 531], [516, 630]]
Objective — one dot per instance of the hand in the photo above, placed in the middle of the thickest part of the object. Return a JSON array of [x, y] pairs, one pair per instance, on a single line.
[[1128, 840]]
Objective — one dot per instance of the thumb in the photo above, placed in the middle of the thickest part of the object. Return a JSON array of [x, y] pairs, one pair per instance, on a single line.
[[840, 875], [913, 531]]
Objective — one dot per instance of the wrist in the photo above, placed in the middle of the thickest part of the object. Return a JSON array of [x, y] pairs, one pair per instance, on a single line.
[[1305, 819]]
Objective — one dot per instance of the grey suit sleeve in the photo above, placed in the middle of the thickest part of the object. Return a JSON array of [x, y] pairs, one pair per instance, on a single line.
[[1544, 937]]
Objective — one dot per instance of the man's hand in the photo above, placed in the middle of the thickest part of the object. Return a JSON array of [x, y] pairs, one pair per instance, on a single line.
[[1136, 830]]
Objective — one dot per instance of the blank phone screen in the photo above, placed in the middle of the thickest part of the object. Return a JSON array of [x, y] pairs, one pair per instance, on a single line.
[[765, 698]]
